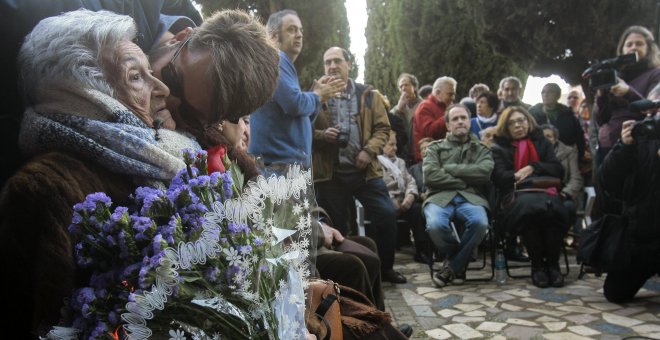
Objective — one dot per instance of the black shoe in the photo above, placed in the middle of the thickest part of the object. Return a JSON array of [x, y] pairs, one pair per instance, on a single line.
[[406, 330], [395, 277], [516, 256], [540, 277], [554, 276], [444, 277]]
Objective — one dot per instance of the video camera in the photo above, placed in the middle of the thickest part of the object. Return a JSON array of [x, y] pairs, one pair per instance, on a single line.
[[602, 74], [650, 126]]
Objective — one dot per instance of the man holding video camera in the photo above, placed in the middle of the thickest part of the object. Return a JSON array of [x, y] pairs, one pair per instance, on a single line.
[[630, 176], [633, 82]]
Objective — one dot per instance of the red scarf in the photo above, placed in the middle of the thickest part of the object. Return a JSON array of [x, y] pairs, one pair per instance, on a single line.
[[524, 154], [214, 158]]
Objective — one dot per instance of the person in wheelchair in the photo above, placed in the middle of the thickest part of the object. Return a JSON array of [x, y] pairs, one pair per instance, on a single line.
[[454, 170], [522, 155]]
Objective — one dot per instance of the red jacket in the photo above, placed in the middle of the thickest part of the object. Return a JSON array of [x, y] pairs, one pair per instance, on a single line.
[[429, 121]]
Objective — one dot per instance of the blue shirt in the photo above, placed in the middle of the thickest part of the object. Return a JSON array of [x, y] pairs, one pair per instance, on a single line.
[[281, 130]]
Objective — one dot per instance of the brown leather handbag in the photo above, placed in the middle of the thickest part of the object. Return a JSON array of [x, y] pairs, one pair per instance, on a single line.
[[324, 297]]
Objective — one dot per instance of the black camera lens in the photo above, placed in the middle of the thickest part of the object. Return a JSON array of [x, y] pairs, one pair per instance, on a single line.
[[342, 137], [649, 128]]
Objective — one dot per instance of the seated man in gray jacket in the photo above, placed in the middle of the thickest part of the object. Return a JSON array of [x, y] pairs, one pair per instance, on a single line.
[[455, 169]]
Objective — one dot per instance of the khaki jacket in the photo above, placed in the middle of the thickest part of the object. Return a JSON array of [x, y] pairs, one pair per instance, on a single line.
[[374, 128], [452, 168]]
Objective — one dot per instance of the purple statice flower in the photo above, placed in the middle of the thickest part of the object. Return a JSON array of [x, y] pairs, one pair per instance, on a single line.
[[211, 274], [258, 241], [144, 271], [110, 240], [168, 231], [146, 197], [141, 225], [102, 280], [189, 155], [234, 228], [83, 296], [129, 270], [214, 179], [223, 240], [118, 215], [91, 202], [157, 243], [263, 267], [82, 258], [227, 184], [245, 249], [113, 317], [245, 228], [99, 331], [200, 181], [123, 245]]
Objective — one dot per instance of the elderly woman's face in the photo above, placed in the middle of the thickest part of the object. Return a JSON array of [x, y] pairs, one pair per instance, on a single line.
[[129, 73], [518, 125]]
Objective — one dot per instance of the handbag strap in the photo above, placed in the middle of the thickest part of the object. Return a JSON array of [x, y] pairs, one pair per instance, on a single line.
[[323, 308]]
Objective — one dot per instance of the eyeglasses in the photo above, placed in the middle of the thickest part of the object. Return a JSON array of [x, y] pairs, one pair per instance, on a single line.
[[170, 76], [172, 79], [519, 121]]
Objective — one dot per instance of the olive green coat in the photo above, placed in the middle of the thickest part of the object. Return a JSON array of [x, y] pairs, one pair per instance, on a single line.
[[452, 168]]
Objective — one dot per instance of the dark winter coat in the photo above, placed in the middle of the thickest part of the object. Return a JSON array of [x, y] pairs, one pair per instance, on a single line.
[[639, 164]]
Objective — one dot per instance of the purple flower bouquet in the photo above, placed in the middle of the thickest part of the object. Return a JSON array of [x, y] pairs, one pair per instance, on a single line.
[[205, 258]]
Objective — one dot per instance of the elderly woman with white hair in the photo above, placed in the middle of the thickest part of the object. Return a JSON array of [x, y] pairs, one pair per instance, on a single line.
[[96, 122]]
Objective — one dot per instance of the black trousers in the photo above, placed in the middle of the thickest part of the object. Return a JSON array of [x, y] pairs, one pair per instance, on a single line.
[[622, 285], [355, 264]]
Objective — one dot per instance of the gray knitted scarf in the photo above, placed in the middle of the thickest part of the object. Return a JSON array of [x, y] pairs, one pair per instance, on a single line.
[[98, 127]]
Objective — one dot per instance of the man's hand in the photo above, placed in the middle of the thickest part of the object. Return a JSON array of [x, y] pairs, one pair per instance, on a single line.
[[626, 132], [403, 101], [620, 89], [330, 134], [328, 87], [523, 173], [362, 160], [330, 234], [407, 203]]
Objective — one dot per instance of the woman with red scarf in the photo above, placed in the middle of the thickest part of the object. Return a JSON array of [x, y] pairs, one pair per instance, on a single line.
[[521, 153]]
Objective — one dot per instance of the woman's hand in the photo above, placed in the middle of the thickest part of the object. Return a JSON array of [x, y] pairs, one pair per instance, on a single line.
[[620, 89], [626, 132], [523, 173]]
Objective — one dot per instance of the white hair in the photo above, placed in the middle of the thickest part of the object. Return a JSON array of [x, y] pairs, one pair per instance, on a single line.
[[69, 48], [442, 81]]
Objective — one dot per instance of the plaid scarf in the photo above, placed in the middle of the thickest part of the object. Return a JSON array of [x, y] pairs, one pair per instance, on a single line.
[[98, 127]]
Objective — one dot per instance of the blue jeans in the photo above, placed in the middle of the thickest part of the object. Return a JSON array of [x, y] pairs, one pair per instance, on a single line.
[[473, 217], [336, 196]]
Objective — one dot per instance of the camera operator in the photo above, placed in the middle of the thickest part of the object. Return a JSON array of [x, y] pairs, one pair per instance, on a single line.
[[634, 83], [634, 159]]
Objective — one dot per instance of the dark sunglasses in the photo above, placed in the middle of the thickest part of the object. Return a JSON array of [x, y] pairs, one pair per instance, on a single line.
[[172, 79]]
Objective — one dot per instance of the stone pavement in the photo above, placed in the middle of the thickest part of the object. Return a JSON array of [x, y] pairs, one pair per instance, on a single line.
[[518, 310]]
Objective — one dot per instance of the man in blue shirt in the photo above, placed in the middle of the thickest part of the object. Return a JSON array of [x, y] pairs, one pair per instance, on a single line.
[[281, 130]]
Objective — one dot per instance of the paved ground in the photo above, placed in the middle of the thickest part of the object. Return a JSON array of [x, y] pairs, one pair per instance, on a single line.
[[518, 310]]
